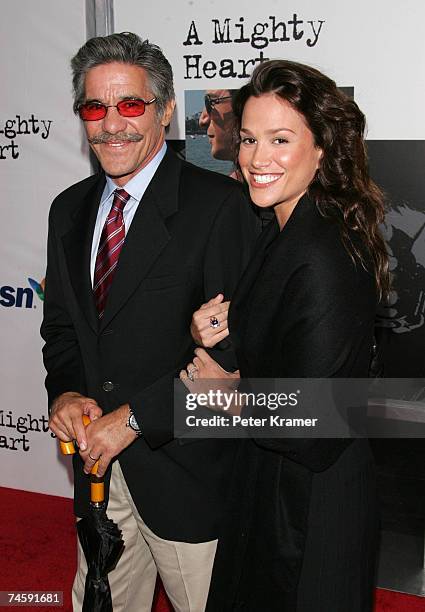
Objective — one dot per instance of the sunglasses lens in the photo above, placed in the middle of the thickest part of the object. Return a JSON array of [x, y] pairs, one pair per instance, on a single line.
[[208, 106], [131, 108], [92, 111]]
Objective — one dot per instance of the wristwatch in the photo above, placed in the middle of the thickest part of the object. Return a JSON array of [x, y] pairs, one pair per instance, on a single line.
[[132, 422]]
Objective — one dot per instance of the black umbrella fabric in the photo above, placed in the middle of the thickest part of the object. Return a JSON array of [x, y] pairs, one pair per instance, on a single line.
[[102, 544]]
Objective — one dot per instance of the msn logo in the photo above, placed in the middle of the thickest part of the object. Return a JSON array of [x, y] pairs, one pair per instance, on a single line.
[[21, 297]]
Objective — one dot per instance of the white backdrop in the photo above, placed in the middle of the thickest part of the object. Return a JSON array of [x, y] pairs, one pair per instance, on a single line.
[[376, 47], [41, 153]]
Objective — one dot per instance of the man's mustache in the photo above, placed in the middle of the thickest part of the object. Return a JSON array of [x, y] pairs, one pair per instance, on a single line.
[[105, 137]]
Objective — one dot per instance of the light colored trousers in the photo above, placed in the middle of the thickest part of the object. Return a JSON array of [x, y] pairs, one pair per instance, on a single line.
[[185, 568]]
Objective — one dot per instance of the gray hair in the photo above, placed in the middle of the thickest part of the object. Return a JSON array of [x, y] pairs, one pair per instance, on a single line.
[[125, 48]]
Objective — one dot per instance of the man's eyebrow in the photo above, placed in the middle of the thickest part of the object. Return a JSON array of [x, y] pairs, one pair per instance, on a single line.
[[120, 98]]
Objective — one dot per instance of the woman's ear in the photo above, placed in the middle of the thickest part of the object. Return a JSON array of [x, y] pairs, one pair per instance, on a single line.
[[320, 154]]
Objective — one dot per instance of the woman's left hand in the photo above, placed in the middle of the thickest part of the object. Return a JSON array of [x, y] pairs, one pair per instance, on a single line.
[[204, 375], [204, 366]]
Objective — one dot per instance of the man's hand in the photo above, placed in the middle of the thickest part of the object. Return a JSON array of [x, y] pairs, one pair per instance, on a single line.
[[66, 417], [106, 438]]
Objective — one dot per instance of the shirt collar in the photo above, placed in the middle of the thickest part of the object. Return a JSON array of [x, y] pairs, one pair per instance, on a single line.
[[136, 186]]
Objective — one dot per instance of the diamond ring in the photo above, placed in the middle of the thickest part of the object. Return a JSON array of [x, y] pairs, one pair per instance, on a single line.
[[191, 373]]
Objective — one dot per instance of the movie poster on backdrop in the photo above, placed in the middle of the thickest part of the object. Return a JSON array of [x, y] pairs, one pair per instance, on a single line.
[[41, 153], [374, 50]]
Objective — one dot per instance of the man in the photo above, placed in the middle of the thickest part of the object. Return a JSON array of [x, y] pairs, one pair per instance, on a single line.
[[217, 117], [132, 252]]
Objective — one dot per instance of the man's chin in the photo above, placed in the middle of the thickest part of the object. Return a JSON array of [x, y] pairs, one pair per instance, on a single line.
[[120, 176], [117, 168]]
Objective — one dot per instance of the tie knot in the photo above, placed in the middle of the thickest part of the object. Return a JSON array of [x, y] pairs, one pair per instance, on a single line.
[[121, 198]]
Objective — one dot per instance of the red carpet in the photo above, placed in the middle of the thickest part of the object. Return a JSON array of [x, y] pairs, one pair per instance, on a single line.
[[388, 601], [37, 552]]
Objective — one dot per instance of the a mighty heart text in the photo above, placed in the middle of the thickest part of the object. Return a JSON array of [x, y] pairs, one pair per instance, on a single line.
[[22, 126], [20, 424], [259, 36]]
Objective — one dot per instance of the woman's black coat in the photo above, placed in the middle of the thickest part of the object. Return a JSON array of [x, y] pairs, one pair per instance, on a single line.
[[301, 530]]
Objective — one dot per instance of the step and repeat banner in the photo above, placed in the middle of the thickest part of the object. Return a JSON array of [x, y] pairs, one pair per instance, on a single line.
[[377, 47], [42, 151], [373, 49]]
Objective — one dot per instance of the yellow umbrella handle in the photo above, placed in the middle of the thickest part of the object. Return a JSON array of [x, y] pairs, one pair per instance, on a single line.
[[67, 448], [97, 487]]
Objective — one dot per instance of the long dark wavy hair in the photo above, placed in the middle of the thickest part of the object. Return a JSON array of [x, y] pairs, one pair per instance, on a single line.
[[342, 188]]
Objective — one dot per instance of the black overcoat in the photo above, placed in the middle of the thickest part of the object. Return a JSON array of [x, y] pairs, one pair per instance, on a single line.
[[190, 238], [302, 524]]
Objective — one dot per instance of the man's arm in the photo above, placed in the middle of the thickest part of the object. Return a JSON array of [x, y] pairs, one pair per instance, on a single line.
[[229, 249], [227, 252], [226, 255]]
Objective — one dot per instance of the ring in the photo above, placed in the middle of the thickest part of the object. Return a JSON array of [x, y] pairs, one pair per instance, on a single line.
[[214, 322], [92, 458], [191, 372]]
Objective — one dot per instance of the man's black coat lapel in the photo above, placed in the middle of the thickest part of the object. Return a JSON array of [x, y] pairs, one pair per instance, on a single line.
[[77, 245]]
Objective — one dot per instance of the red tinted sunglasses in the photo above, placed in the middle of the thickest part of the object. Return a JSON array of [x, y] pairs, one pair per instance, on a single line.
[[93, 111]]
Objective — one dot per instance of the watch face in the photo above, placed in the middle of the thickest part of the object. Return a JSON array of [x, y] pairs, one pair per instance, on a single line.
[[133, 423]]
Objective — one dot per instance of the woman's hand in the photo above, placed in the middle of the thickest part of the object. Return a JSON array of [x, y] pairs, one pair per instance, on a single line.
[[204, 367], [204, 375], [209, 323]]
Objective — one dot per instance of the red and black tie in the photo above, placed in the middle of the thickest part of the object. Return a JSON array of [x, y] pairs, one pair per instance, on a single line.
[[111, 241]]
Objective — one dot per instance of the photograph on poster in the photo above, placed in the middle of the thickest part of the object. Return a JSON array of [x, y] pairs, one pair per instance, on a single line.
[[402, 322], [209, 129]]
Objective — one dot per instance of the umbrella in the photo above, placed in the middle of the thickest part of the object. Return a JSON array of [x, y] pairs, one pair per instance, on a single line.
[[101, 541]]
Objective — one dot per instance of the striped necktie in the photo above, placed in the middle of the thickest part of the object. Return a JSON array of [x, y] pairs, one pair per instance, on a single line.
[[111, 241]]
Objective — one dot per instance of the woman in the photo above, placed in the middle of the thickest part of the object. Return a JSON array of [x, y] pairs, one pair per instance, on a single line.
[[302, 529]]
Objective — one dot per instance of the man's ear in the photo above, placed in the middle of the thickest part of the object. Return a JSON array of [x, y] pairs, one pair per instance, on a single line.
[[168, 113]]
